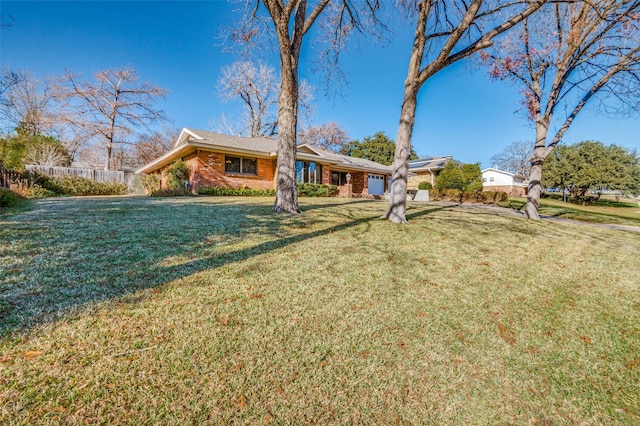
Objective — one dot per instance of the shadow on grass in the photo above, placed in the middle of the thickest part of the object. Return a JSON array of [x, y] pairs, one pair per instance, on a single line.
[[66, 255]]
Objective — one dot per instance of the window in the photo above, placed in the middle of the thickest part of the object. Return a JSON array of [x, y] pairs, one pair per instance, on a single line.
[[484, 179], [308, 172], [243, 166], [338, 178], [491, 179]]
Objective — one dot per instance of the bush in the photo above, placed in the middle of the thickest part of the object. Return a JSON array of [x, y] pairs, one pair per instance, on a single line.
[[304, 190], [37, 191], [8, 198], [425, 185], [316, 190], [177, 175], [71, 185], [454, 195], [247, 192], [136, 185], [151, 184]]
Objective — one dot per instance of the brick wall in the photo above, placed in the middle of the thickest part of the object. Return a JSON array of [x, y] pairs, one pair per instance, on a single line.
[[513, 191], [359, 182], [414, 181], [207, 169], [326, 175]]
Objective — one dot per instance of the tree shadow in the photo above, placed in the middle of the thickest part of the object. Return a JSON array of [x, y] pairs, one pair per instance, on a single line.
[[68, 254]]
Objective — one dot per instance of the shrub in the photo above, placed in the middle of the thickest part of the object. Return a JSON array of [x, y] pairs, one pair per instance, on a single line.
[[425, 185], [317, 190], [37, 191], [151, 184], [247, 192], [177, 175], [8, 198], [71, 185], [136, 185], [474, 197]]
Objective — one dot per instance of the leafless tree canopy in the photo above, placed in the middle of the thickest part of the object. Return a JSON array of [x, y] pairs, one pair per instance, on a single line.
[[564, 57], [111, 107], [446, 32], [150, 146], [256, 87], [328, 136], [26, 103], [47, 154], [515, 158]]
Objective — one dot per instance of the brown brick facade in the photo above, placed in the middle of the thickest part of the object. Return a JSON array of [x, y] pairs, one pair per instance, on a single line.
[[208, 170], [359, 183]]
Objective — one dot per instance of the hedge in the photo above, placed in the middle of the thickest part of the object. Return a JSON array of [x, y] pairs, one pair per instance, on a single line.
[[304, 190]]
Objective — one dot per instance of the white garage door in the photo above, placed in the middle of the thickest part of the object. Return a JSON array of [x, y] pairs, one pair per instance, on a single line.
[[376, 184]]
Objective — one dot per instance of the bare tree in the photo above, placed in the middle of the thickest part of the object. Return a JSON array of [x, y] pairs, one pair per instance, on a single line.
[[565, 57], [292, 20], [26, 103], [47, 153], [111, 106], [446, 32], [515, 158], [226, 125], [328, 136], [150, 146], [256, 87]]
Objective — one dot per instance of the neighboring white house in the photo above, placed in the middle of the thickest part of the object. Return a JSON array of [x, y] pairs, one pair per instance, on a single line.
[[494, 179]]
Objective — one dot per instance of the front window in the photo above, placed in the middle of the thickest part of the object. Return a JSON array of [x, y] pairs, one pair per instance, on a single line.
[[308, 172], [338, 178], [239, 165]]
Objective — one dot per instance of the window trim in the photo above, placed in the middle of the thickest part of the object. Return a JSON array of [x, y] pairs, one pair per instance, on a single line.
[[241, 172]]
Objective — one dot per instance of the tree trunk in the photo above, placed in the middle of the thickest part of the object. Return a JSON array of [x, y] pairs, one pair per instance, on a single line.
[[535, 189], [287, 189], [540, 153], [107, 161], [398, 194]]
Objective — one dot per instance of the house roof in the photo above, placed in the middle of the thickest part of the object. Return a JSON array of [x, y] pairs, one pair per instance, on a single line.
[[191, 139], [264, 145], [493, 169], [428, 163]]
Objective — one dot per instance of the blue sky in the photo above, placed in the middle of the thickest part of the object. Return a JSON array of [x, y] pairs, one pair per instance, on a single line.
[[176, 45]]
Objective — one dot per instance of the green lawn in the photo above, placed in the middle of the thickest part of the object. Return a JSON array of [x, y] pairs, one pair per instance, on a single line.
[[625, 213], [215, 310]]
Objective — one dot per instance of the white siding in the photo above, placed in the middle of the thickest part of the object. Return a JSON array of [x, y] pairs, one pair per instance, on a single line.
[[492, 177]]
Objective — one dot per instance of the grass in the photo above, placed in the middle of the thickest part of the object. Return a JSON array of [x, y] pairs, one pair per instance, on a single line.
[[207, 310], [610, 212]]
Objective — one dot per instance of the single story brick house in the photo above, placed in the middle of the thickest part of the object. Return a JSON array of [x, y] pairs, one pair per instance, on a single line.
[[494, 179], [243, 162]]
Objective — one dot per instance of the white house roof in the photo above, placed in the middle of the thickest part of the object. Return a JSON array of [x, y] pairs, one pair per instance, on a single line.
[[493, 169], [260, 147]]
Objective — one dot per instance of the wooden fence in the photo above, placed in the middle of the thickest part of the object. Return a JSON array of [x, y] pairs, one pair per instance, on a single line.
[[12, 177], [97, 175]]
